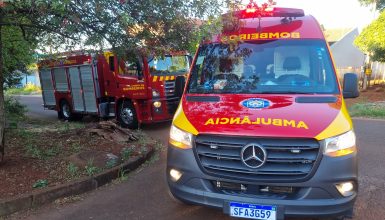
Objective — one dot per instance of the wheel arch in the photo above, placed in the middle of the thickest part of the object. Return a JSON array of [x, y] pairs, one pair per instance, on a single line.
[[134, 102]]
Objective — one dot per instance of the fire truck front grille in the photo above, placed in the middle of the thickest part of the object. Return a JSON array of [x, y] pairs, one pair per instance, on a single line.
[[171, 99], [169, 88], [289, 160]]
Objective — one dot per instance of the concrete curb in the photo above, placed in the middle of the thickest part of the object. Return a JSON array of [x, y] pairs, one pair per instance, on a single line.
[[368, 119], [86, 184]]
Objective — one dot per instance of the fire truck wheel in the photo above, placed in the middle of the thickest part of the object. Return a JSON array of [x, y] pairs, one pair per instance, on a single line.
[[65, 111], [127, 115]]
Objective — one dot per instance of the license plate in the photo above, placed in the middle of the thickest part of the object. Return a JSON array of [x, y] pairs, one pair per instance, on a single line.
[[251, 211]]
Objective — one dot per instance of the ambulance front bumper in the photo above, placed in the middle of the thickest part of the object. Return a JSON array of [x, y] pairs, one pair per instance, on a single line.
[[316, 197]]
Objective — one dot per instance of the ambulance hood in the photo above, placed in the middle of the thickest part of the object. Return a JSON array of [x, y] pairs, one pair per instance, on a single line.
[[306, 116]]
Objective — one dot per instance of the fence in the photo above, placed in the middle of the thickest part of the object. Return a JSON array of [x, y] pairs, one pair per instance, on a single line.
[[377, 76]]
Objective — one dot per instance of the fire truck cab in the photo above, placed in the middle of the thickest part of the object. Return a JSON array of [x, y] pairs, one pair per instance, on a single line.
[[262, 131], [135, 90]]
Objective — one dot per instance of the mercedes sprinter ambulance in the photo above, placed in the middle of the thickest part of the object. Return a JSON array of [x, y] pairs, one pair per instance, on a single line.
[[262, 131]]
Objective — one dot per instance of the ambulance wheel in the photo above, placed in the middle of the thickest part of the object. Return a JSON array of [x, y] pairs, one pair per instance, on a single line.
[[127, 115], [65, 111]]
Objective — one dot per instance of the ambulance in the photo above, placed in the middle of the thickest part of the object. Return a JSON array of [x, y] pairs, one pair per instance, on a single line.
[[262, 130]]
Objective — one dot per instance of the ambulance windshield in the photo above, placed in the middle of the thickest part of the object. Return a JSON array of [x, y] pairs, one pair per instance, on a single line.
[[257, 67], [168, 65]]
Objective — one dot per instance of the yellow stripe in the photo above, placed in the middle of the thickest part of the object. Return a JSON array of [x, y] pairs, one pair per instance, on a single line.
[[172, 77], [181, 121], [155, 78], [341, 124], [161, 79], [167, 78]]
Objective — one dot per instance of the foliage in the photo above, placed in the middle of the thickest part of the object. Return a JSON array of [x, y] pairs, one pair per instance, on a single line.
[[157, 25], [17, 55], [73, 170], [14, 110], [90, 168], [372, 39], [380, 4], [26, 90], [127, 152], [40, 184]]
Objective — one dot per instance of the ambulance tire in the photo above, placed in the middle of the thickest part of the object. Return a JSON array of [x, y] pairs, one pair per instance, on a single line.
[[65, 112], [127, 116]]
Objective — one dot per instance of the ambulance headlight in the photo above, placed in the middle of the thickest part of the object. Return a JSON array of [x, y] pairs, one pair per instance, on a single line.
[[155, 93], [341, 145], [180, 138]]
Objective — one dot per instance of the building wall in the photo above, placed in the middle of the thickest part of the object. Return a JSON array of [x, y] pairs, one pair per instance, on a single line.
[[346, 54]]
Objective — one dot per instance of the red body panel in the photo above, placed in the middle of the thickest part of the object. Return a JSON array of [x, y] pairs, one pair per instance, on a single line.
[[282, 107], [304, 26]]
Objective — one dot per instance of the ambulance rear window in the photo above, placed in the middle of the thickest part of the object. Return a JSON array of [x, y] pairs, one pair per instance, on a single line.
[[277, 67]]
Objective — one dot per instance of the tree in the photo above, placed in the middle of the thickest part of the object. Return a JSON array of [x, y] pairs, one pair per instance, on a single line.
[[380, 4], [372, 39], [156, 25], [17, 55]]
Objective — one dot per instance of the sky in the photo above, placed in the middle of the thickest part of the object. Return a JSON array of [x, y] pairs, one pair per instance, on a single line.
[[331, 13]]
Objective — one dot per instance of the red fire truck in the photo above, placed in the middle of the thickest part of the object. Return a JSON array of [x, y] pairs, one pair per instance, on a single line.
[[136, 90]]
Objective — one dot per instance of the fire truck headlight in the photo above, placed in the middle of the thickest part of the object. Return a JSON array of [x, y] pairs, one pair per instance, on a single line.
[[180, 139], [157, 104], [155, 93], [341, 145]]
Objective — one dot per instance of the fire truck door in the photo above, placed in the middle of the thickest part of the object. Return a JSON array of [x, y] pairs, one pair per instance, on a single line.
[[47, 87], [83, 89], [76, 89], [87, 80]]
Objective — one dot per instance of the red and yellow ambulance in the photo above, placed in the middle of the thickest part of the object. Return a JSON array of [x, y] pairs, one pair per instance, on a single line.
[[262, 130]]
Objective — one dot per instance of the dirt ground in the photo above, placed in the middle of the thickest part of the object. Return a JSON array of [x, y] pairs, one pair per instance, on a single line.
[[373, 94], [59, 152]]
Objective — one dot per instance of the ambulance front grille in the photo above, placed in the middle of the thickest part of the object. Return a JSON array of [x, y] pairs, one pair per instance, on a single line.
[[289, 160]]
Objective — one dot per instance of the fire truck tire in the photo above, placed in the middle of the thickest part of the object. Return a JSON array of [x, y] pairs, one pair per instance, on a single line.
[[127, 115], [65, 112]]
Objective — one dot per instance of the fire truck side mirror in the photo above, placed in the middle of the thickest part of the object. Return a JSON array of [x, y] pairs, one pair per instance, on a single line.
[[140, 71], [111, 61], [180, 82]]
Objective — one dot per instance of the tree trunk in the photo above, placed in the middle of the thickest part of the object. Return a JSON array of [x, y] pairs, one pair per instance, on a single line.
[[2, 112]]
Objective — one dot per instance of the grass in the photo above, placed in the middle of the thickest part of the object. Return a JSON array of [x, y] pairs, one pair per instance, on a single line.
[[369, 110], [26, 90]]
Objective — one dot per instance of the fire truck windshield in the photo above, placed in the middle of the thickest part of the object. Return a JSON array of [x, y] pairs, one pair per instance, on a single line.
[[168, 65], [257, 67]]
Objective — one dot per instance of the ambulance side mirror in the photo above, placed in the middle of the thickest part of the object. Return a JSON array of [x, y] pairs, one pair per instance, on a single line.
[[350, 87], [180, 82]]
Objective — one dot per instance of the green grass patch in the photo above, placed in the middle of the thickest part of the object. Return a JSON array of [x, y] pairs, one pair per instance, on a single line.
[[26, 90], [369, 110]]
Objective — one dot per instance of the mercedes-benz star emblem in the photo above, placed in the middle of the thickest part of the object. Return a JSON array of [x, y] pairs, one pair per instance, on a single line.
[[253, 155]]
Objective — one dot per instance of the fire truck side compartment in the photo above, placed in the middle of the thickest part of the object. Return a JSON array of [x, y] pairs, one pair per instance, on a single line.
[[47, 87]]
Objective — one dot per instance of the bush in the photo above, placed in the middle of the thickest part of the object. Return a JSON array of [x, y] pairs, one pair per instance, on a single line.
[[14, 110], [26, 90]]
